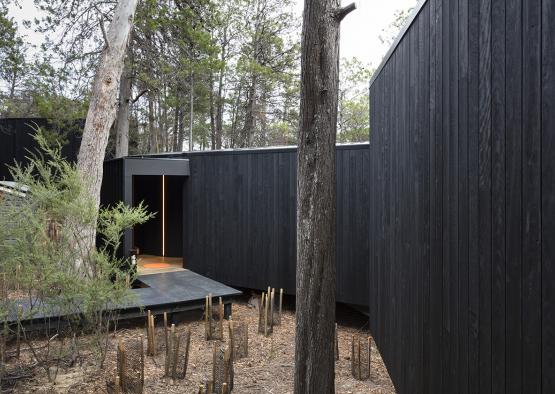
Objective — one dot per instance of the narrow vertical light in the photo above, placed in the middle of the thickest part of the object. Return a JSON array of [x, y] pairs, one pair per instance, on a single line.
[[163, 215]]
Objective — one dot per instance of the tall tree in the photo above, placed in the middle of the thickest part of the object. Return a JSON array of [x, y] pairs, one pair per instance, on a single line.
[[12, 54], [353, 123], [103, 104], [316, 197]]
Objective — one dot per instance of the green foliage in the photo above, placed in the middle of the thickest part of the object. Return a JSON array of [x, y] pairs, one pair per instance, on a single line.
[[41, 239], [13, 65], [389, 34], [353, 121]]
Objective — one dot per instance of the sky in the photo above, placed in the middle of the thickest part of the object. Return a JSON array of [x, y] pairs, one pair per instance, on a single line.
[[359, 30]]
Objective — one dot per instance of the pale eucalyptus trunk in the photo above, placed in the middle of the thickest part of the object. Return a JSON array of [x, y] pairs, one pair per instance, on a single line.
[[316, 198], [102, 109]]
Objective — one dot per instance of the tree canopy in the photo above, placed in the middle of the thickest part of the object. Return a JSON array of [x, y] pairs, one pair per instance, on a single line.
[[237, 61]]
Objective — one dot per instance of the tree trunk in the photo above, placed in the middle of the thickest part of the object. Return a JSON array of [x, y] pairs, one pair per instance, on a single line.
[[191, 112], [181, 134], [220, 98], [103, 106], [316, 198], [248, 126], [175, 128], [234, 119], [212, 114], [122, 120], [153, 140]]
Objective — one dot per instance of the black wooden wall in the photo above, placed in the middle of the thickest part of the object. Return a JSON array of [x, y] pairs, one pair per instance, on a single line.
[[462, 217], [240, 215], [16, 140]]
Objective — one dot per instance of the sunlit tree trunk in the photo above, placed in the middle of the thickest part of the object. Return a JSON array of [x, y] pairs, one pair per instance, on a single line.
[[103, 106]]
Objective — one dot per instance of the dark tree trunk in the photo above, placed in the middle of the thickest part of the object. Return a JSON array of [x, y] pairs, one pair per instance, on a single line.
[[220, 98], [316, 198], [234, 119], [175, 128], [181, 131], [153, 140], [122, 120], [248, 126], [212, 114]]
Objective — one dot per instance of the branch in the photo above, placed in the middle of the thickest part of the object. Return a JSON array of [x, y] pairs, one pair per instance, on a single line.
[[101, 23], [138, 96], [340, 13], [104, 33]]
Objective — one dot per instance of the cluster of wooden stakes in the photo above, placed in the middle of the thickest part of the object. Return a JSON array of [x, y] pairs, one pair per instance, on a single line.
[[129, 376]]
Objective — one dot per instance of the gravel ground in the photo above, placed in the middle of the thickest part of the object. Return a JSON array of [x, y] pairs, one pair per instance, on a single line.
[[267, 369]]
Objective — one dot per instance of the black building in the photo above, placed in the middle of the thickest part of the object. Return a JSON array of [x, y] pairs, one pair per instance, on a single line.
[[462, 222]]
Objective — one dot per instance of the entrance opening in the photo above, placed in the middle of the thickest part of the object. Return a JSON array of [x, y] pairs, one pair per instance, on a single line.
[[159, 240]]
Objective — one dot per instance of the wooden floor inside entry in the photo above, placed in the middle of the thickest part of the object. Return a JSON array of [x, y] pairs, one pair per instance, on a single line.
[[148, 264]]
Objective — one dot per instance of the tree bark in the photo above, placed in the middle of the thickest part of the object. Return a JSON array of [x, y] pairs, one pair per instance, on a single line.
[[191, 112], [181, 133], [153, 140], [103, 106], [212, 114], [175, 128], [316, 198], [122, 120], [248, 126]]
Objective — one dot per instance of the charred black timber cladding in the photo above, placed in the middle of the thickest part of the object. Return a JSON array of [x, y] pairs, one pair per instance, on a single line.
[[239, 221], [462, 202], [17, 142]]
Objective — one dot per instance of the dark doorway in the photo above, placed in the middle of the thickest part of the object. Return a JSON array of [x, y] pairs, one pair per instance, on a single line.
[[163, 195]]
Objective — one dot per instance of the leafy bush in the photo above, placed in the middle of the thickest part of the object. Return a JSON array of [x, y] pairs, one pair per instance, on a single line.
[[41, 245]]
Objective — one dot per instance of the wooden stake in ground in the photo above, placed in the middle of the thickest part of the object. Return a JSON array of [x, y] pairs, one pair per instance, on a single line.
[[151, 334], [316, 197], [206, 321], [261, 309], [336, 344], [117, 386], [280, 303], [370, 358], [121, 364], [166, 329], [169, 350], [221, 316], [187, 345], [272, 309], [175, 351], [18, 334], [103, 107]]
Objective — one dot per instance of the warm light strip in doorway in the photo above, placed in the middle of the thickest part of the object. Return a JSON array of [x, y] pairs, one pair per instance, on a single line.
[[163, 215]]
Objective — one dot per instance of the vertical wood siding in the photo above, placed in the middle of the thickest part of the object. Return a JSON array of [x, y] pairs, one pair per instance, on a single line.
[[462, 201], [240, 219]]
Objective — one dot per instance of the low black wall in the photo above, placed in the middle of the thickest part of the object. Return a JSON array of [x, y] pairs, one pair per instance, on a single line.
[[16, 140], [462, 222], [240, 226]]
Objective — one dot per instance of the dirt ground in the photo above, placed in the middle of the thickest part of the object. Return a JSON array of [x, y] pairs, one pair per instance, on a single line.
[[267, 369]]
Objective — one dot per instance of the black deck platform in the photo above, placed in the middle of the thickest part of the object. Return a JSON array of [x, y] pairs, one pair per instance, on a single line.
[[177, 291], [164, 292]]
